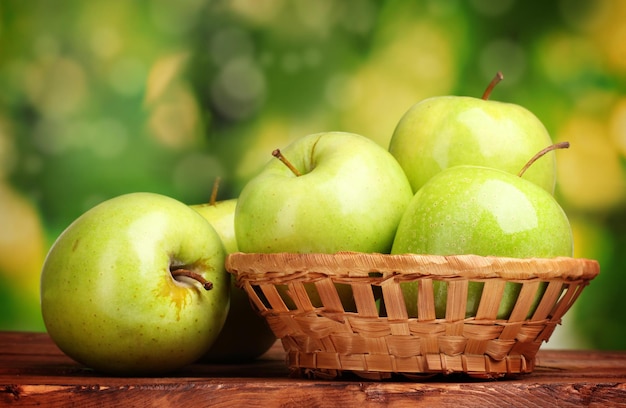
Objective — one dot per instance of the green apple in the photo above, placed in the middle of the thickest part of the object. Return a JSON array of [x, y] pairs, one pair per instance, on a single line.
[[221, 216], [136, 286], [349, 196], [245, 335], [447, 131], [338, 192], [481, 211]]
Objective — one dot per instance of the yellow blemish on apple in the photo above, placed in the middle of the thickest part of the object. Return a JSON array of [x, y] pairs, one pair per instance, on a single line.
[[179, 295]]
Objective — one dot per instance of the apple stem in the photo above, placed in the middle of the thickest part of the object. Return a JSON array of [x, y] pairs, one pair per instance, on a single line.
[[542, 152], [499, 77], [276, 153], [193, 275], [216, 185]]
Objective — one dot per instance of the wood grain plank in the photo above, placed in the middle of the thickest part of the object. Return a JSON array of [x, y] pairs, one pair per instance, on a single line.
[[34, 372]]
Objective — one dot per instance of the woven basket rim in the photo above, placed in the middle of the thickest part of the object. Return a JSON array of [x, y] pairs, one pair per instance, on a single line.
[[347, 265]]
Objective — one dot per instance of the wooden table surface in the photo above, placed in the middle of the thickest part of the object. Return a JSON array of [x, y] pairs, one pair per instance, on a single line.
[[34, 372]]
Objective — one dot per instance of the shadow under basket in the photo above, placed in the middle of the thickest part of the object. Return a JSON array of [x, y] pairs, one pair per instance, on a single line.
[[378, 315]]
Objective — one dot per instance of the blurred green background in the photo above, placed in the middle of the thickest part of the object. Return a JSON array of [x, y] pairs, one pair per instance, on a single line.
[[100, 98]]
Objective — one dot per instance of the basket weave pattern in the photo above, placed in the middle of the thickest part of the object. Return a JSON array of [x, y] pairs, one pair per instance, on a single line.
[[374, 337]]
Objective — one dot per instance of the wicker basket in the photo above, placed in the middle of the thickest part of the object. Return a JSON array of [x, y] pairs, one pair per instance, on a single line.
[[374, 337]]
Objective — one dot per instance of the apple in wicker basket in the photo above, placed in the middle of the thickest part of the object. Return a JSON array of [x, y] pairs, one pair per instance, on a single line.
[[481, 211], [446, 131], [329, 192]]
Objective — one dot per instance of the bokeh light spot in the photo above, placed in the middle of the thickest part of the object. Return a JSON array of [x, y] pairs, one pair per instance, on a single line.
[[229, 43], [617, 125], [175, 119], [128, 76], [239, 89], [257, 11], [57, 87], [616, 48], [589, 173], [163, 73], [22, 246], [316, 15], [105, 42]]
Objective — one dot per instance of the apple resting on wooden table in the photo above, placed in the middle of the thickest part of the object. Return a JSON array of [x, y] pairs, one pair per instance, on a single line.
[[136, 286]]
